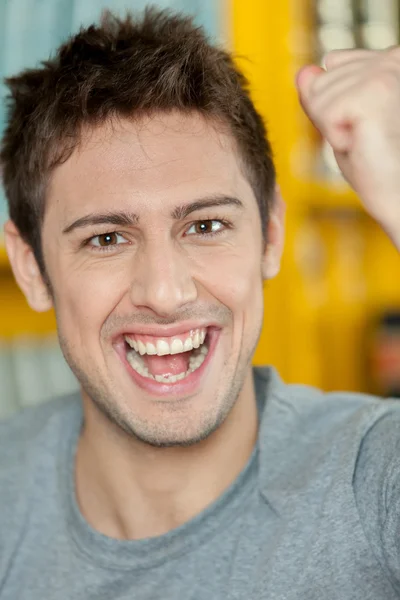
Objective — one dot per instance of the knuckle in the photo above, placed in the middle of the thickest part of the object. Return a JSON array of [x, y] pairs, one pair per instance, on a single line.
[[325, 119], [394, 51], [318, 84], [385, 81], [330, 116], [332, 55], [315, 109]]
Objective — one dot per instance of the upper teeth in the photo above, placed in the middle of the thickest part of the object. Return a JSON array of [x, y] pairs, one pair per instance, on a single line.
[[162, 347]]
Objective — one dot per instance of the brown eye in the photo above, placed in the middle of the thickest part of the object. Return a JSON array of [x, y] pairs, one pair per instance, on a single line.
[[203, 227], [208, 227], [107, 239]]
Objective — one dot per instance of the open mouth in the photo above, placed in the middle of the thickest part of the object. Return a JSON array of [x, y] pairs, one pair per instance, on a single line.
[[167, 360]]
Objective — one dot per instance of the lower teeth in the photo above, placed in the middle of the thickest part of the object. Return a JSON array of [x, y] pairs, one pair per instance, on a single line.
[[195, 361]]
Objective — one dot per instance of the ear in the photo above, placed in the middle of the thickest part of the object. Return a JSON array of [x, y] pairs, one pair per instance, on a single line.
[[26, 270], [275, 237]]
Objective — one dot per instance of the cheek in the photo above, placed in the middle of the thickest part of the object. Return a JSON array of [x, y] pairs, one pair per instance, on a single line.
[[84, 298], [234, 278]]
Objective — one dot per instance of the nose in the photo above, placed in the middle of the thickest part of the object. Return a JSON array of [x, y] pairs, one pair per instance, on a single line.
[[162, 280]]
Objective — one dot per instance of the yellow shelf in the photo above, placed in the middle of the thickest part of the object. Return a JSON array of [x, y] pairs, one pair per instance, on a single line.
[[336, 273], [18, 317], [316, 193], [3, 258]]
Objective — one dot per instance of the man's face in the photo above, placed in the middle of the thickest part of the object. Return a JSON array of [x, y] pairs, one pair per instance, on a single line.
[[153, 245]]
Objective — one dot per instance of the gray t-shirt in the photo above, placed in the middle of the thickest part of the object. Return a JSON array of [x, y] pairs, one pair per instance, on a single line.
[[315, 513]]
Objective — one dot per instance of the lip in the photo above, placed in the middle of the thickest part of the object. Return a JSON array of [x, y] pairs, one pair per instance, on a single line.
[[162, 332], [186, 387]]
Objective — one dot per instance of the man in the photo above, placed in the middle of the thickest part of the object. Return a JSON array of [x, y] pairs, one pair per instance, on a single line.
[[143, 207]]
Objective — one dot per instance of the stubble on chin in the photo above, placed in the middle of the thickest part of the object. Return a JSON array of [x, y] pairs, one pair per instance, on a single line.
[[174, 429]]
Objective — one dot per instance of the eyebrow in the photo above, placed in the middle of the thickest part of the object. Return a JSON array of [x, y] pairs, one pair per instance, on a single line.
[[180, 212], [123, 219], [129, 219]]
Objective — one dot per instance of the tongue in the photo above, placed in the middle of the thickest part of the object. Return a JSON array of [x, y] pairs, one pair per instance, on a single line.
[[171, 364]]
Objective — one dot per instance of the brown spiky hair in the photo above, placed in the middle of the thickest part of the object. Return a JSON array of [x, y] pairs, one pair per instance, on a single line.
[[122, 68]]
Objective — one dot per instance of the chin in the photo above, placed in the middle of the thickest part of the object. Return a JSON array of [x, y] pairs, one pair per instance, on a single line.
[[180, 423]]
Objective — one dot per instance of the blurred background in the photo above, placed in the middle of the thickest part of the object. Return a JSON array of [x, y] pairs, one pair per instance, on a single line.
[[332, 316]]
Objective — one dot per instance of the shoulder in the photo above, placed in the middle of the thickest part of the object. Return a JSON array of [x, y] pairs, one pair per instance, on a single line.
[[32, 430], [377, 489], [29, 450], [307, 426], [316, 412], [29, 439], [342, 449]]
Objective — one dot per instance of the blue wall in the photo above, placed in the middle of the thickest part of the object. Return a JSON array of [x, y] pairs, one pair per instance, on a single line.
[[31, 29]]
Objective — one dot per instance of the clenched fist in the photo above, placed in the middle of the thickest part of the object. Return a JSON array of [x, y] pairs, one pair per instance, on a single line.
[[355, 104]]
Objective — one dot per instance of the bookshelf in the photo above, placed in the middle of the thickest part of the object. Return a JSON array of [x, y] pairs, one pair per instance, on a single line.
[[338, 269]]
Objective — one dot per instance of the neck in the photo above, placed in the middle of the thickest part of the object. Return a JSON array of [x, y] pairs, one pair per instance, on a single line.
[[167, 486]]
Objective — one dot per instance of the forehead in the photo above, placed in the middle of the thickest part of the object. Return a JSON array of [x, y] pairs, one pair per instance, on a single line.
[[162, 156]]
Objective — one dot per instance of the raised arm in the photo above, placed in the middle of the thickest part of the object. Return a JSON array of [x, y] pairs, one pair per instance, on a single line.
[[355, 104]]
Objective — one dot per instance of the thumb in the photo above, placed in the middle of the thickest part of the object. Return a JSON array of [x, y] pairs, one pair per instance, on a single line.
[[305, 79]]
